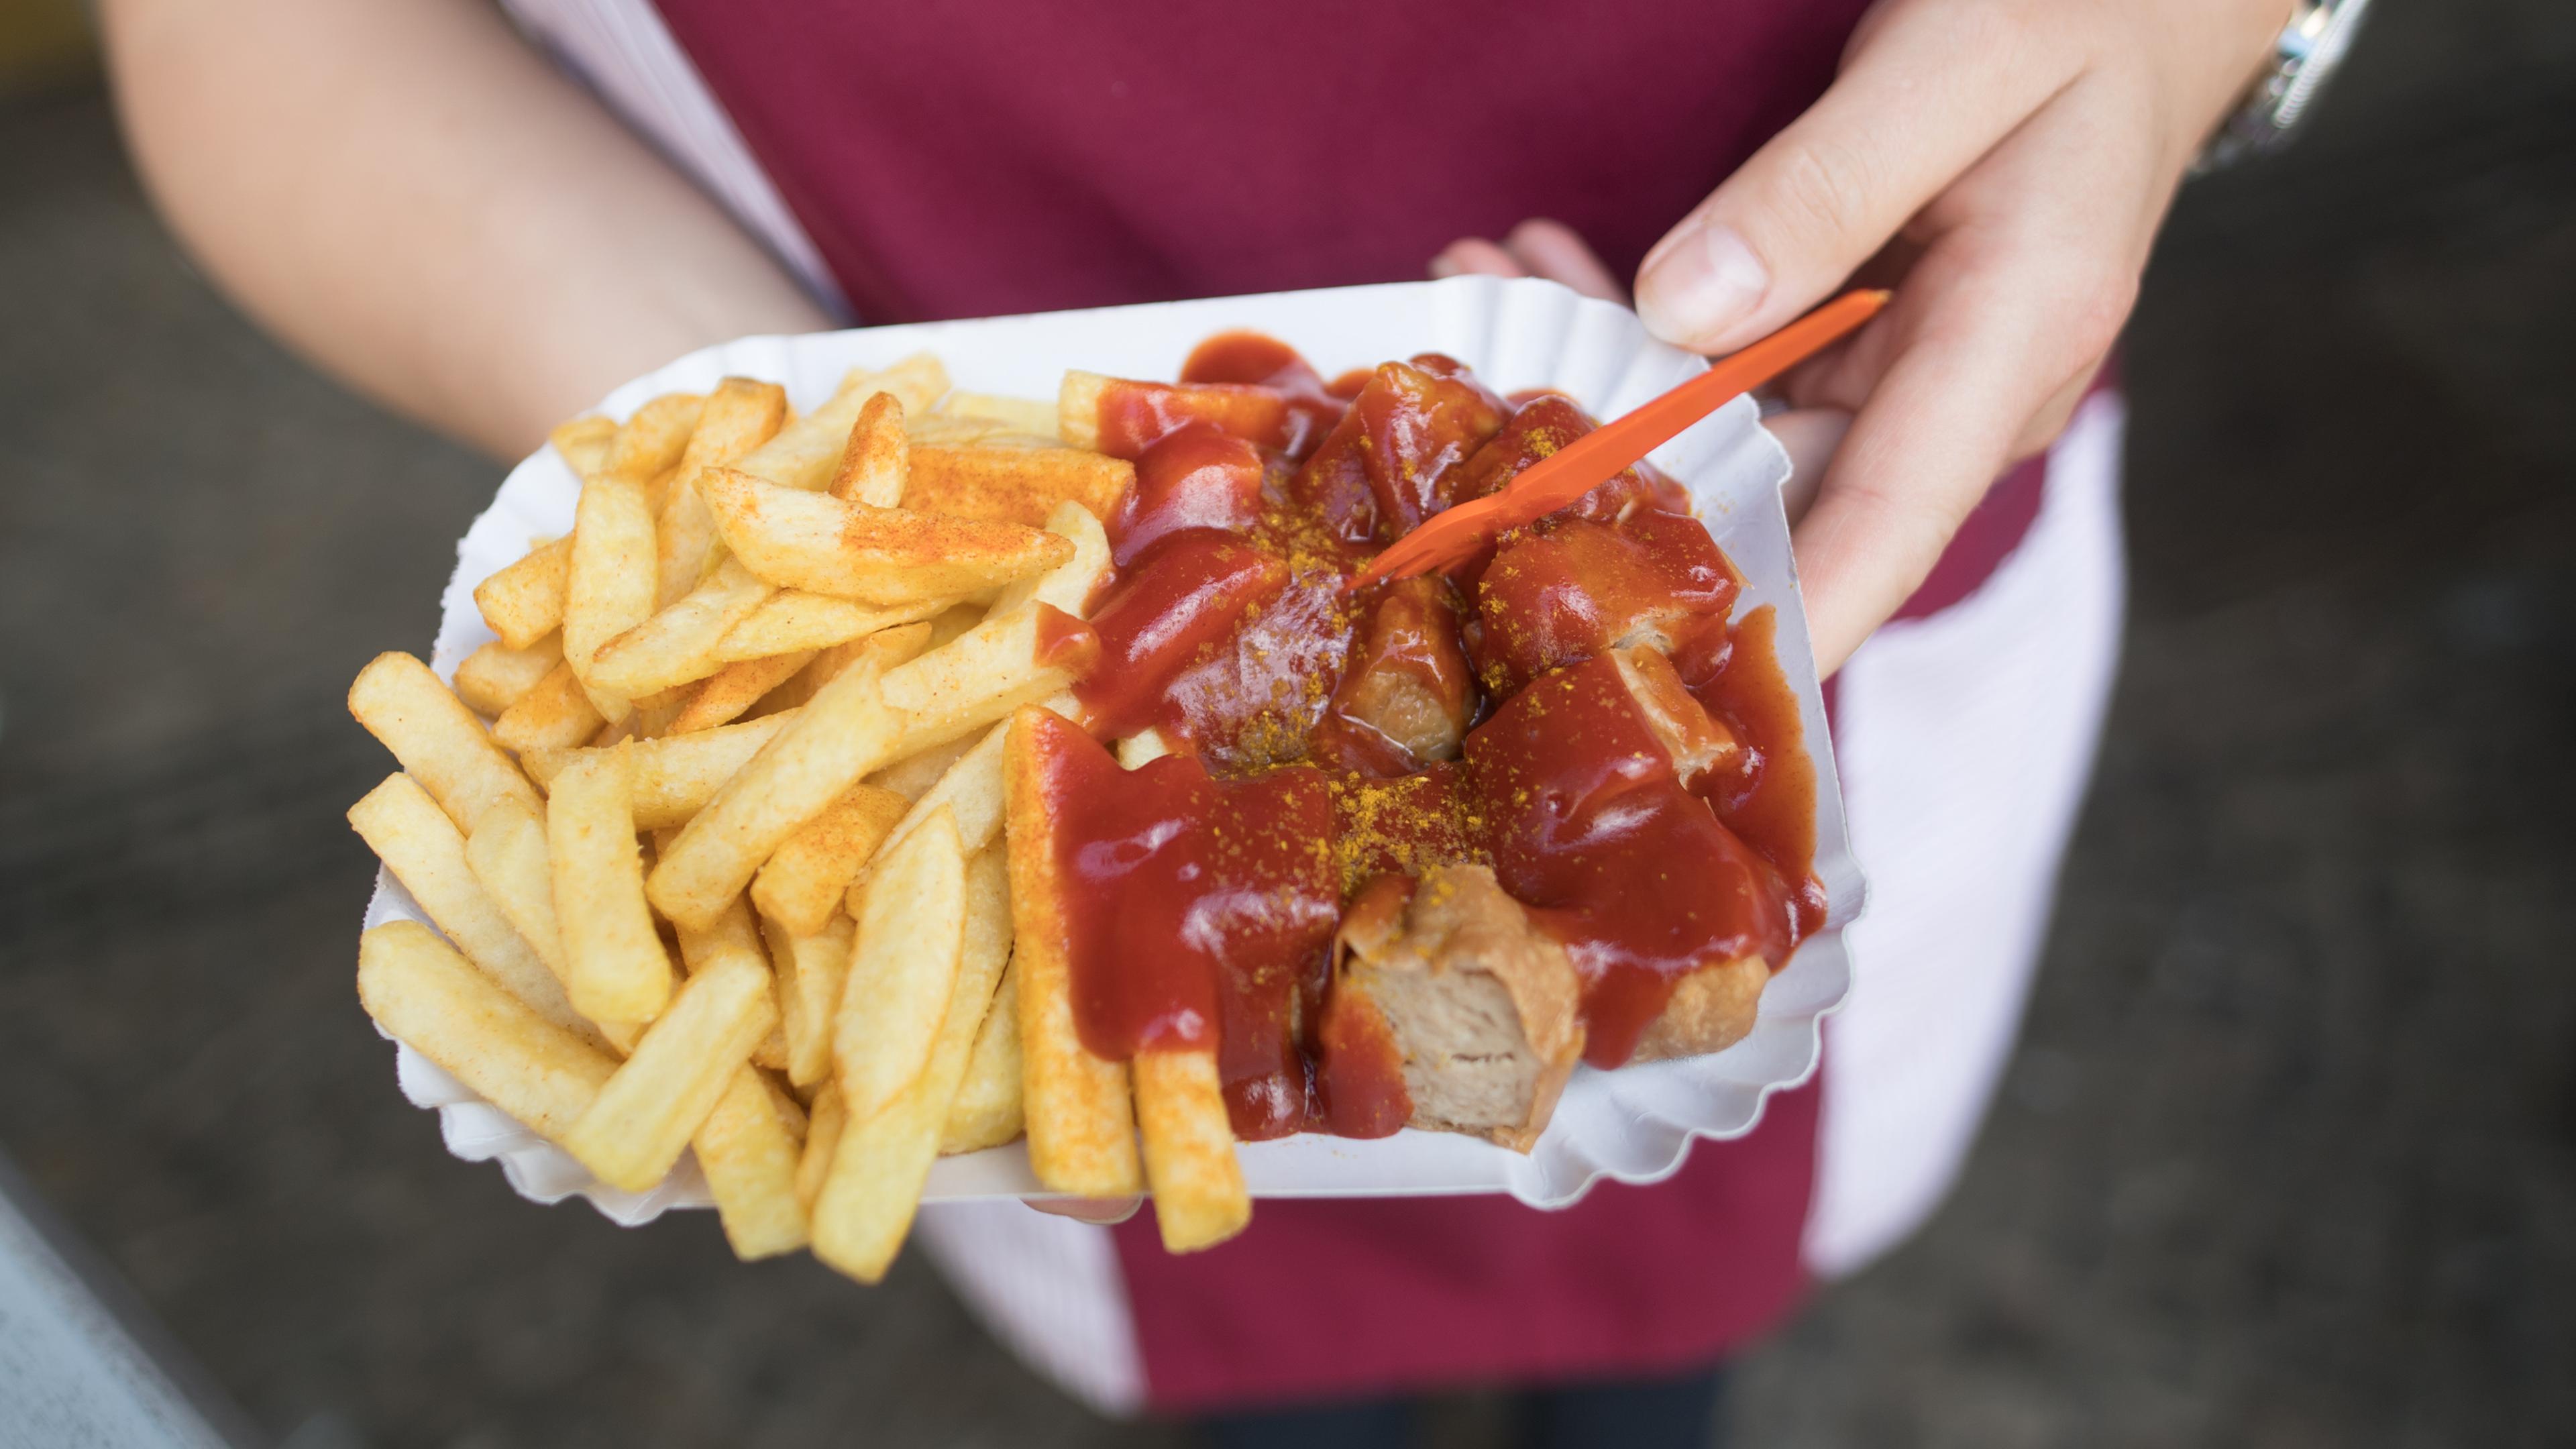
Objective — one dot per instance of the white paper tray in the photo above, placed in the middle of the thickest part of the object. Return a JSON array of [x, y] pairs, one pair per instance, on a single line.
[[1633, 1124]]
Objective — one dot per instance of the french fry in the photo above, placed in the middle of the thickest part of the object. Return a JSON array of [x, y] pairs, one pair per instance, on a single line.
[[902, 968], [655, 712], [507, 853], [417, 841], [1199, 1196], [524, 602], [999, 483], [649, 444], [676, 776], [873, 1186], [972, 792], [822, 1136], [741, 414], [804, 452], [1077, 408], [793, 620], [735, 688], [643, 1117], [438, 739], [846, 731], [975, 679], [610, 587], [493, 677], [616, 968], [1080, 1120], [1246, 412], [736, 933], [1069, 585], [748, 1150], [811, 970], [801, 884], [555, 713], [679, 643], [1020, 414], [873, 465], [431, 999], [878, 556], [914, 774], [584, 443], [988, 1110]]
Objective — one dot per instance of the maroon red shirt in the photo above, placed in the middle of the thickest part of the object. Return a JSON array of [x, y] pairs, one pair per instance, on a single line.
[[977, 159]]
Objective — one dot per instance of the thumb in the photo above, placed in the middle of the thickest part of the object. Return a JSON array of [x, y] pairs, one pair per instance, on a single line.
[[1919, 101]]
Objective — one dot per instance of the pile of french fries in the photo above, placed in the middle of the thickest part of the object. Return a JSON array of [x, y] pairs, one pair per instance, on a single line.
[[726, 869]]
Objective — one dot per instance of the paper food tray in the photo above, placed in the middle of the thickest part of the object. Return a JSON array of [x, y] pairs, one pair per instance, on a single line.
[[1633, 1124]]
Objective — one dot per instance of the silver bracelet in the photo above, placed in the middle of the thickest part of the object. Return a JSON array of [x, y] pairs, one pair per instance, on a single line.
[[2308, 52]]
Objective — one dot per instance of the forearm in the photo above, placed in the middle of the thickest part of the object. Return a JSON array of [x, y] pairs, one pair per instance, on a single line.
[[405, 193]]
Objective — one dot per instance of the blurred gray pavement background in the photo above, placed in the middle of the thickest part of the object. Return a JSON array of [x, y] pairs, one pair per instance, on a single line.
[[2287, 1159]]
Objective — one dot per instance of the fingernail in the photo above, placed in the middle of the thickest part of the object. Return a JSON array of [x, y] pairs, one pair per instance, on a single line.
[[1703, 282]]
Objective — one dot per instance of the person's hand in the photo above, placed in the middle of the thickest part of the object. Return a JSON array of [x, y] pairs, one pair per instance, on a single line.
[[2004, 164]]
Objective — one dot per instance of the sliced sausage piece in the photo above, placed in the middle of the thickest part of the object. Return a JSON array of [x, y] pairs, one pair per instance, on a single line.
[[1482, 1005]]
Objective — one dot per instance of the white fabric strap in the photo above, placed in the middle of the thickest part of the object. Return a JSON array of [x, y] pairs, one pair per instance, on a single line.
[[1964, 741], [627, 56]]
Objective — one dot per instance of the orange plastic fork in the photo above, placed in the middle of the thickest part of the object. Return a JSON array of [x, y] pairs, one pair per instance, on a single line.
[[1598, 456]]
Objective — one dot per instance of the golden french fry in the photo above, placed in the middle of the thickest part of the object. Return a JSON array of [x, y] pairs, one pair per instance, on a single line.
[[1141, 748], [654, 712], [584, 443], [617, 969], [1019, 414], [822, 1135], [988, 1110], [556, 713], [426, 996], [678, 644], [804, 452], [436, 737], [748, 1150], [1199, 1196], [793, 620], [873, 464], [973, 793], [649, 444], [1081, 1124], [902, 967], [975, 679], [735, 688], [873, 1186], [939, 430], [644, 1116], [524, 602], [1077, 408], [610, 587], [507, 853], [1069, 585], [879, 556], [1000, 483], [741, 414], [846, 731], [493, 677], [1246, 412], [801, 885], [811, 970], [417, 841], [914, 774], [736, 933], [676, 776]]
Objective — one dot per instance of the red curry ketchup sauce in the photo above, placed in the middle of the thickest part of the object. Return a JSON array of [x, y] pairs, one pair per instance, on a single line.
[[1327, 743]]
